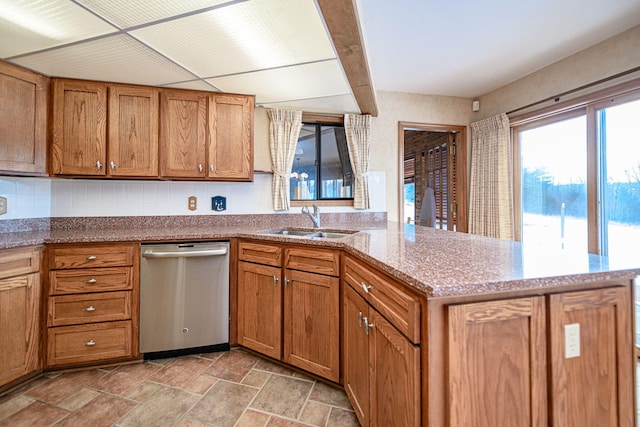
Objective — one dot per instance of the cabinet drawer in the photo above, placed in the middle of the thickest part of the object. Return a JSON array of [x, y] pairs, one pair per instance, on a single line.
[[63, 257], [389, 298], [260, 253], [90, 280], [89, 343], [89, 308], [321, 261], [16, 262]]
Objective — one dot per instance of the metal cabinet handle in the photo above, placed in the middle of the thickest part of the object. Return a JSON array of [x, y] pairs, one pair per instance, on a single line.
[[211, 168], [112, 164], [98, 165], [90, 343], [367, 326], [286, 281], [200, 168], [90, 258], [89, 309], [90, 281], [275, 281], [360, 319], [365, 287]]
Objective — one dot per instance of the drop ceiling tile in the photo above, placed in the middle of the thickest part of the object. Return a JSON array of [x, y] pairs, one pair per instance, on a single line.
[[327, 104], [117, 58], [242, 37], [193, 85], [314, 80], [127, 13], [28, 26]]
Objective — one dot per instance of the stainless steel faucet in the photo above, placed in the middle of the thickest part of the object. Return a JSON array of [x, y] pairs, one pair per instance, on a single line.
[[315, 216]]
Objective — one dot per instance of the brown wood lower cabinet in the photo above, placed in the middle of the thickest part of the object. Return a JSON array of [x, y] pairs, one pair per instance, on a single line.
[[260, 308], [381, 366], [497, 361]]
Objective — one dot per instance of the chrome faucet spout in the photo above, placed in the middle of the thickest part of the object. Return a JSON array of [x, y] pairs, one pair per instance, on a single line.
[[315, 216]]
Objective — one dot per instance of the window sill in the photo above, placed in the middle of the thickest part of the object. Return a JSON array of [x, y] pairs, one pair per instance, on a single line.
[[299, 203]]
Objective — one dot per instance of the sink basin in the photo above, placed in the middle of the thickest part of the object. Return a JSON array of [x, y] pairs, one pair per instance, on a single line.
[[329, 234]]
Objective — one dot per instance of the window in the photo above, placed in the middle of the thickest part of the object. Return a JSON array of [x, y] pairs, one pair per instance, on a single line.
[[579, 180], [321, 167]]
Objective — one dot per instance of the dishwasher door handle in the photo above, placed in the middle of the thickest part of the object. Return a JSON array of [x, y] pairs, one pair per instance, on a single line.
[[184, 254]]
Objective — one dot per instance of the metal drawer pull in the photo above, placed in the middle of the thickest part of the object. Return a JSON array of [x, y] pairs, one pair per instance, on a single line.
[[90, 258], [90, 308], [90, 343], [98, 165], [275, 281], [360, 319], [211, 168], [90, 281], [366, 288], [112, 164], [200, 168], [286, 281], [367, 326]]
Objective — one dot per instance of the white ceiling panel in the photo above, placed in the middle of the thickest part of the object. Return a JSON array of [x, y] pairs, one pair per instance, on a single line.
[[193, 85], [253, 35], [327, 104], [27, 25], [284, 84], [127, 13], [117, 59]]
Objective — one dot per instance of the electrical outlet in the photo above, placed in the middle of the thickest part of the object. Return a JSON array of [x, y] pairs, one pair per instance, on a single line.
[[3, 205], [571, 340], [192, 203]]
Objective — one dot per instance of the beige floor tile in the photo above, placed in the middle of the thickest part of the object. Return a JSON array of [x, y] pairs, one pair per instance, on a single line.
[[201, 384], [188, 422], [342, 418], [78, 399], [36, 414], [315, 413], [59, 388], [232, 366], [102, 411], [256, 378], [265, 365], [284, 396], [143, 391], [165, 407], [181, 371], [127, 377], [252, 419], [330, 395], [283, 422], [223, 404], [11, 404]]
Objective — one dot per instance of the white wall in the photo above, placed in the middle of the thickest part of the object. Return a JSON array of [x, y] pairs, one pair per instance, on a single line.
[[57, 197]]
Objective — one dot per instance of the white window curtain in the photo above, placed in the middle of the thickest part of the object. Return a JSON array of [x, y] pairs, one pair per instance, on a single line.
[[358, 131], [284, 130], [490, 192]]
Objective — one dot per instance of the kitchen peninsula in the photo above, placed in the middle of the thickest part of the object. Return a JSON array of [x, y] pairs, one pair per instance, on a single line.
[[460, 329]]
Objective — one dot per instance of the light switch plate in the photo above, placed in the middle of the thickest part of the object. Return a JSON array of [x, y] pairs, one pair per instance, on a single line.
[[3, 205], [571, 340]]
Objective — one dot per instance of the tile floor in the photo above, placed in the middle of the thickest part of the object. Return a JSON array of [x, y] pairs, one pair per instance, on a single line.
[[232, 388]]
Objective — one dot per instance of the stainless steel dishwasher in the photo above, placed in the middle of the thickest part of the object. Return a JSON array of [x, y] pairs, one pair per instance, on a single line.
[[184, 298]]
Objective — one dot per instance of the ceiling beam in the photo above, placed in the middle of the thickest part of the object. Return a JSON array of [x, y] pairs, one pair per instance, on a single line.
[[341, 19]]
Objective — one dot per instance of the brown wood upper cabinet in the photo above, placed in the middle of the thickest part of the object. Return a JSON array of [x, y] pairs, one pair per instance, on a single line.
[[79, 140], [231, 137], [23, 120], [133, 131]]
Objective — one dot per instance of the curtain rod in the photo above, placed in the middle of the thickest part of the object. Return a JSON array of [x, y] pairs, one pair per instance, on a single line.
[[556, 98]]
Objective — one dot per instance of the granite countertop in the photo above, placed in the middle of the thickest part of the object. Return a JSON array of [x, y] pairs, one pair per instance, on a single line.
[[437, 263]]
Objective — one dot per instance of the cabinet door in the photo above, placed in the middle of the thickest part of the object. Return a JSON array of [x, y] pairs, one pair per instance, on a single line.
[[355, 352], [79, 139], [312, 323], [19, 326], [23, 120], [596, 387], [260, 308], [395, 375], [497, 363], [183, 115], [133, 131], [231, 137]]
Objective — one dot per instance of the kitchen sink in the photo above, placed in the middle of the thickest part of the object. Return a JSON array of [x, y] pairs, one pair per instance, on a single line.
[[312, 234]]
